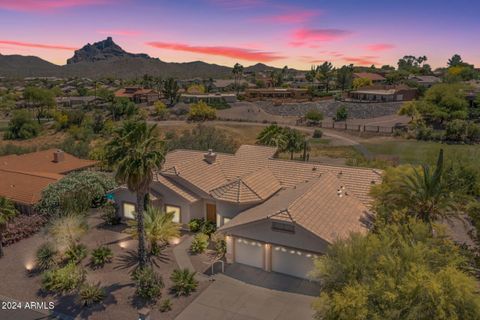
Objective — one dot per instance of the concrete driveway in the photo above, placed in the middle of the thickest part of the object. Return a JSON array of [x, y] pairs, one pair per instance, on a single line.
[[231, 299]]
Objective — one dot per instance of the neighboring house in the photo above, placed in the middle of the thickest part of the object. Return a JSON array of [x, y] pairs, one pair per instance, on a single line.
[[276, 93], [23, 177], [225, 85], [277, 214], [80, 101], [209, 97], [383, 94], [426, 81], [374, 77], [138, 95]]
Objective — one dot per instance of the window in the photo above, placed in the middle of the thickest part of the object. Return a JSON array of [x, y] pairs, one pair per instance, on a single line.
[[128, 210], [176, 212], [283, 227]]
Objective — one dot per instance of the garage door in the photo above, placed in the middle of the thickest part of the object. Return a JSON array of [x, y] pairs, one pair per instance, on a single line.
[[249, 252], [292, 262]]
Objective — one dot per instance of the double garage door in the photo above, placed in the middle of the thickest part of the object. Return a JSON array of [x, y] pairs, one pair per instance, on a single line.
[[283, 260]]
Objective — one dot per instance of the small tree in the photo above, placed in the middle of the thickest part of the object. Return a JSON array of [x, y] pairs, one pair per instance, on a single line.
[[314, 116], [39, 99], [21, 126], [161, 110], [201, 112], [361, 82], [342, 114], [7, 212], [171, 91]]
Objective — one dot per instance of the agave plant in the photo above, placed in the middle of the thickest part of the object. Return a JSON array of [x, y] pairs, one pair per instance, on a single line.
[[184, 282]]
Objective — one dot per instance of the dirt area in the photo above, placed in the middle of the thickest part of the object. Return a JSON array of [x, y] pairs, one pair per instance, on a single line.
[[120, 302], [46, 138], [250, 111]]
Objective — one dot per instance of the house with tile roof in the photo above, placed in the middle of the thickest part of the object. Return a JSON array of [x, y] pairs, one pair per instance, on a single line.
[[276, 214], [24, 177]]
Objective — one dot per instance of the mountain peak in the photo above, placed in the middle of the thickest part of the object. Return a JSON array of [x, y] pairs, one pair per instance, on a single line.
[[102, 50]]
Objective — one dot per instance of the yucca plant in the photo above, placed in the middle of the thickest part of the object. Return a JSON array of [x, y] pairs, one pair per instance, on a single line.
[[76, 253], [91, 294], [184, 282], [165, 305], [199, 243], [46, 256], [101, 256]]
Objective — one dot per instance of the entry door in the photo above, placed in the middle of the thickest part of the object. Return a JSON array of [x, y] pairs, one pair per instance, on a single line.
[[212, 213]]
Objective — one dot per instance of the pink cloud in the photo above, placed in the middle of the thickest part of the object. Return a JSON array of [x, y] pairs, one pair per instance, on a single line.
[[295, 16], [230, 52], [46, 5], [362, 60], [305, 36], [120, 32], [37, 45], [380, 46]]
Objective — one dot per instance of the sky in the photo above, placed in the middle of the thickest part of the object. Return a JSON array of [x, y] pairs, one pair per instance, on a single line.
[[297, 34]]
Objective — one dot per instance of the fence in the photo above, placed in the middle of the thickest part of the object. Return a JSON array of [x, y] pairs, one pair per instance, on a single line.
[[355, 127]]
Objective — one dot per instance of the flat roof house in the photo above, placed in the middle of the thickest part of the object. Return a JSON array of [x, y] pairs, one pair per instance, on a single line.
[[383, 94], [23, 177], [138, 95], [276, 214]]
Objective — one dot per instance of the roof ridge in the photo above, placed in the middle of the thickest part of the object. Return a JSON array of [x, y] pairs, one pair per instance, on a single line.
[[250, 188], [33, 174]]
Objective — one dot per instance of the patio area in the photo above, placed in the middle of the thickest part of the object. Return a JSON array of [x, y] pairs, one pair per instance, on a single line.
[[120, 302]]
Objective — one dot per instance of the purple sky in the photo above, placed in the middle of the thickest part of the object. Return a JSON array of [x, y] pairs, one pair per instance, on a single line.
[[294, 33]]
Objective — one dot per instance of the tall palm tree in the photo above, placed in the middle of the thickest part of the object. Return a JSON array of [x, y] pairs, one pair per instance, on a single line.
[[237, 75], [295, 141], [7, 212], [137, 152], [426, 195], [273, 136], [159, 227]]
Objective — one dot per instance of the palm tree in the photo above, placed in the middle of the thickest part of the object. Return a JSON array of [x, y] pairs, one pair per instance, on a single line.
[[7, 212], [426, 195], [137, 152], [237, 75], [159, 227], [273, 136], [295, 141]]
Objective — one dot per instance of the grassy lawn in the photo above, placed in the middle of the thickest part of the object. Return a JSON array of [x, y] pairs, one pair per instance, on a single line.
[[417, 152]]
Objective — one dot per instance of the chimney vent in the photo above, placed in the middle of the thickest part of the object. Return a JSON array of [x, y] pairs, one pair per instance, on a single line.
[[210, 156], [58, 156]]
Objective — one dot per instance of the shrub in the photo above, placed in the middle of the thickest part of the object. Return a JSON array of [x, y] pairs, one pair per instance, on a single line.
[[101, 256], [220, 244], [314, 116], [199, 243], [341, 114], [184, 282], [165, 305], [46, 256], [91, 294], [149, 284], [22, 226], [22, 126], [109, 214], [161, 110], [93, 185], [201, 112], [64, 279], [196, 224], [317, 134], [76, 253], [209, 227]]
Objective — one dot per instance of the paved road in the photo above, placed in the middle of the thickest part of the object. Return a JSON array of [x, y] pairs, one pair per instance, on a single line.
[[231, 299]]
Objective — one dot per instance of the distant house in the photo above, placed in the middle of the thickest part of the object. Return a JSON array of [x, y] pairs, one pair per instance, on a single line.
[[383, 94], [71, 102], [277, 215], [225, 85], [426, 81], [374, 77], [138, 95], [276, 93], [209, 97], [24, 177]]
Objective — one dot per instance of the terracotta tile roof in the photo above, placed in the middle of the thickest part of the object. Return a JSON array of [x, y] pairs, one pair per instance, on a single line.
[[42, 161], [177, 188], [369, 75], [255, 187], [227, 170], [323, 206], [24, 187], [23, 177]]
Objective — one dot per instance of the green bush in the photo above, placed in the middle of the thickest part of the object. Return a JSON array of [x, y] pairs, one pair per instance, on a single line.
[[109, 214], [201, 112], [91, 294], [184, 282], [93, 185], [342, 114], [46, 257], [149, 284], [165, 305], [76, 253], [22, 126], [196, 224], [220, 244], [317, 134], [209, 228], [314, 116], [63, 280], [101, 256], [199, 243]]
